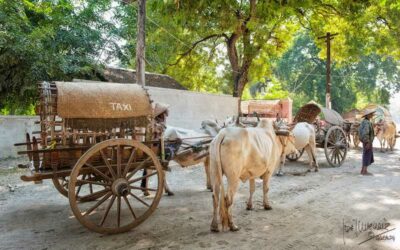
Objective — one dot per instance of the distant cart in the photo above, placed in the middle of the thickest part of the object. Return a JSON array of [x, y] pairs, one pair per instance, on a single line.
[[330, 133], [97, 144], [352, 117]]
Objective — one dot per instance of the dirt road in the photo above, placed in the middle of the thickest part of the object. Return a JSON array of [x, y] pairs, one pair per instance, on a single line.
[[309, 212]]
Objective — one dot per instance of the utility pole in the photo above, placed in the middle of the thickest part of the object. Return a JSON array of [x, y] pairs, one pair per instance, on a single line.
[[328, 38], [140, 44]]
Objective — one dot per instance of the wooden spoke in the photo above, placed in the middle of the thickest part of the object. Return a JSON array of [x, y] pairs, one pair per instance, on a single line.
[[335, 156], [95, 194], [98, 172], [143, 189], [80, 186], [108, 164], [98, 204], [128, 165], [119, 156], [141, 178], [130, 207], [138, 198], [332, 154], [92, 182], [103, 219], [340, 153], [138, 168], [119, 211]]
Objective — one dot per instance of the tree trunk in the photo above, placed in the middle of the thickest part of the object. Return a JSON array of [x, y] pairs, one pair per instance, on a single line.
[[239, 72]]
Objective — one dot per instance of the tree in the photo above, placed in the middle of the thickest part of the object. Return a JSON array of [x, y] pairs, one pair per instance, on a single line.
[[246, 32], [48, 40], [354, 83], [250, 34]]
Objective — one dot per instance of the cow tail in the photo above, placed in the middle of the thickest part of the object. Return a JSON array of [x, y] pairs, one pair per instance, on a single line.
[[223, 210]]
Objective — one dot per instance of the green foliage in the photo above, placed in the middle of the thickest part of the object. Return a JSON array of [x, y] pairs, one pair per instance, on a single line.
[[369, 31], [216, 46], [47, 40], [303, 74]]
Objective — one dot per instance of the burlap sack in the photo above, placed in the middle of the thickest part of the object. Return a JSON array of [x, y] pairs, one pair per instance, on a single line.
[[102, 100]]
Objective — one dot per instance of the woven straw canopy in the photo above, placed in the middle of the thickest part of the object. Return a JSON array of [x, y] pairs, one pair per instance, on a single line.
[[382, 114], [332, 117], [102, 100], [307, 113]]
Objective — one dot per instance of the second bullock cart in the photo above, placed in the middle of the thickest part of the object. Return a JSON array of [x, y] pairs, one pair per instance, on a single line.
[[329, 131]]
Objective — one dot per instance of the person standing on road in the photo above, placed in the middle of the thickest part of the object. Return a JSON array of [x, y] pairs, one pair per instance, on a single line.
[[366, 134]]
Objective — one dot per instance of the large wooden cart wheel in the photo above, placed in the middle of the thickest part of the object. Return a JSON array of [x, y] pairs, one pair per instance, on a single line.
[[61, 184], [294, 156], [119, 165], [335, 146]]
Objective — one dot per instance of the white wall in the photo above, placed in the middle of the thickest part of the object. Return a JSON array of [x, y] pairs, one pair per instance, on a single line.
[[13, 130], [187, 110]]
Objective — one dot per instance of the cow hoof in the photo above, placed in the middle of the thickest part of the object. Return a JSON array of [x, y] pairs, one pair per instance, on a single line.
[[214, 228], [234, 228], [279, 174], [249, 207], [267, 207], [146, 193], [209, 188], [316, 170], [170, 193], [309, 170]]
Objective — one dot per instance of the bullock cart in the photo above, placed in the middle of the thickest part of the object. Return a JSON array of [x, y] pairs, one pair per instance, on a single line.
[[97, 144], [352, 119], [329, 131]]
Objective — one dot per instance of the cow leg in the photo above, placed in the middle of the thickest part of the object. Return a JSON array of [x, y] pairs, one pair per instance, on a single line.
[[283, 161], [166, 187], [232, 189], [266, 179], [252, 183], [145, 182], [215, 198], [310, 157], [314, 155], [207, 170]]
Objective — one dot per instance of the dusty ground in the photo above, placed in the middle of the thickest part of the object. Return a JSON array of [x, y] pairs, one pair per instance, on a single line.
[[308, 212]]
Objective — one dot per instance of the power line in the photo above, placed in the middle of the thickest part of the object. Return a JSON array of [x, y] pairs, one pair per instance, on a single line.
[[337, 76], [169, 33]]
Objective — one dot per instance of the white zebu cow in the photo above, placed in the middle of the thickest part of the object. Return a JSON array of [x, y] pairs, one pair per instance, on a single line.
[[244, 154], [304, 134], [191, 137]]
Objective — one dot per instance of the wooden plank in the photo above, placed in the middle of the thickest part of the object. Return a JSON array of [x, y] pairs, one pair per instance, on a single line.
[[50, 174], [54, 150]]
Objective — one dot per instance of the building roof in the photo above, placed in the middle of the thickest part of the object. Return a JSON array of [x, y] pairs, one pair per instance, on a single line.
[[152, 79]]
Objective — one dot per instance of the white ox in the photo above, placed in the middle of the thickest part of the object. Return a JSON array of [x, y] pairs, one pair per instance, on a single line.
[[244, 154], [386, 134], [191, 138], [304, 134]]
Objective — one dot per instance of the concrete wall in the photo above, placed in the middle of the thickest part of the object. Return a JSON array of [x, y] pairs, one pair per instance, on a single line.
[[13, 130], [187, 110]]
